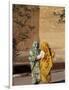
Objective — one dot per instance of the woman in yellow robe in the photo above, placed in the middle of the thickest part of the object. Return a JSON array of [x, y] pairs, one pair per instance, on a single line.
[[46, 63]]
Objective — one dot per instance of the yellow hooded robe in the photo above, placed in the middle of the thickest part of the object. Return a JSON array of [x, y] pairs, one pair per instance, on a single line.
[[46, 63]]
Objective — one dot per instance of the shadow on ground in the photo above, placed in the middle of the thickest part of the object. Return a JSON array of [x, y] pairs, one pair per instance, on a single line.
[[26, 68]]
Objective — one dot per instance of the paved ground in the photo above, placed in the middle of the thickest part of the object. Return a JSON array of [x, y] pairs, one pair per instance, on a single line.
[[22, 74], [25, 79]]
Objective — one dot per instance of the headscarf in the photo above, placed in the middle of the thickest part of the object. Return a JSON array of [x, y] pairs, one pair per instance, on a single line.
[[34, 51], [44, 46], [35, 45]]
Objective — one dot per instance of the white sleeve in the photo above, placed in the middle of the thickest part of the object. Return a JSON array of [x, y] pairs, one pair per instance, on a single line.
[[41, 55]]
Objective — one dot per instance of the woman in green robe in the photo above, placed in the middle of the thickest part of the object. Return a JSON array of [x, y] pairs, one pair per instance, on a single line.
[[35, 71]]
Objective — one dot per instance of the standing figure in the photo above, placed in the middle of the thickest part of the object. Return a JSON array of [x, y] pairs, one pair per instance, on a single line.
[[34, 51], [46, 62]]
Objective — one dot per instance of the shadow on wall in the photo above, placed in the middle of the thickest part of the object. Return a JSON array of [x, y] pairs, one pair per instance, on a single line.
[[25, 27]]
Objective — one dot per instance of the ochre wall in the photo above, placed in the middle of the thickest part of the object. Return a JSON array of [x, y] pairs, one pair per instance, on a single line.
[[49, 28]]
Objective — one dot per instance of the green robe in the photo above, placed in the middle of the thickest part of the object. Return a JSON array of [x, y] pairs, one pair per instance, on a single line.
[[34, 64]]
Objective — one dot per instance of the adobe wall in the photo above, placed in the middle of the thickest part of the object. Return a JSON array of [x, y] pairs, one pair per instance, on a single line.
[[50, 29]]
